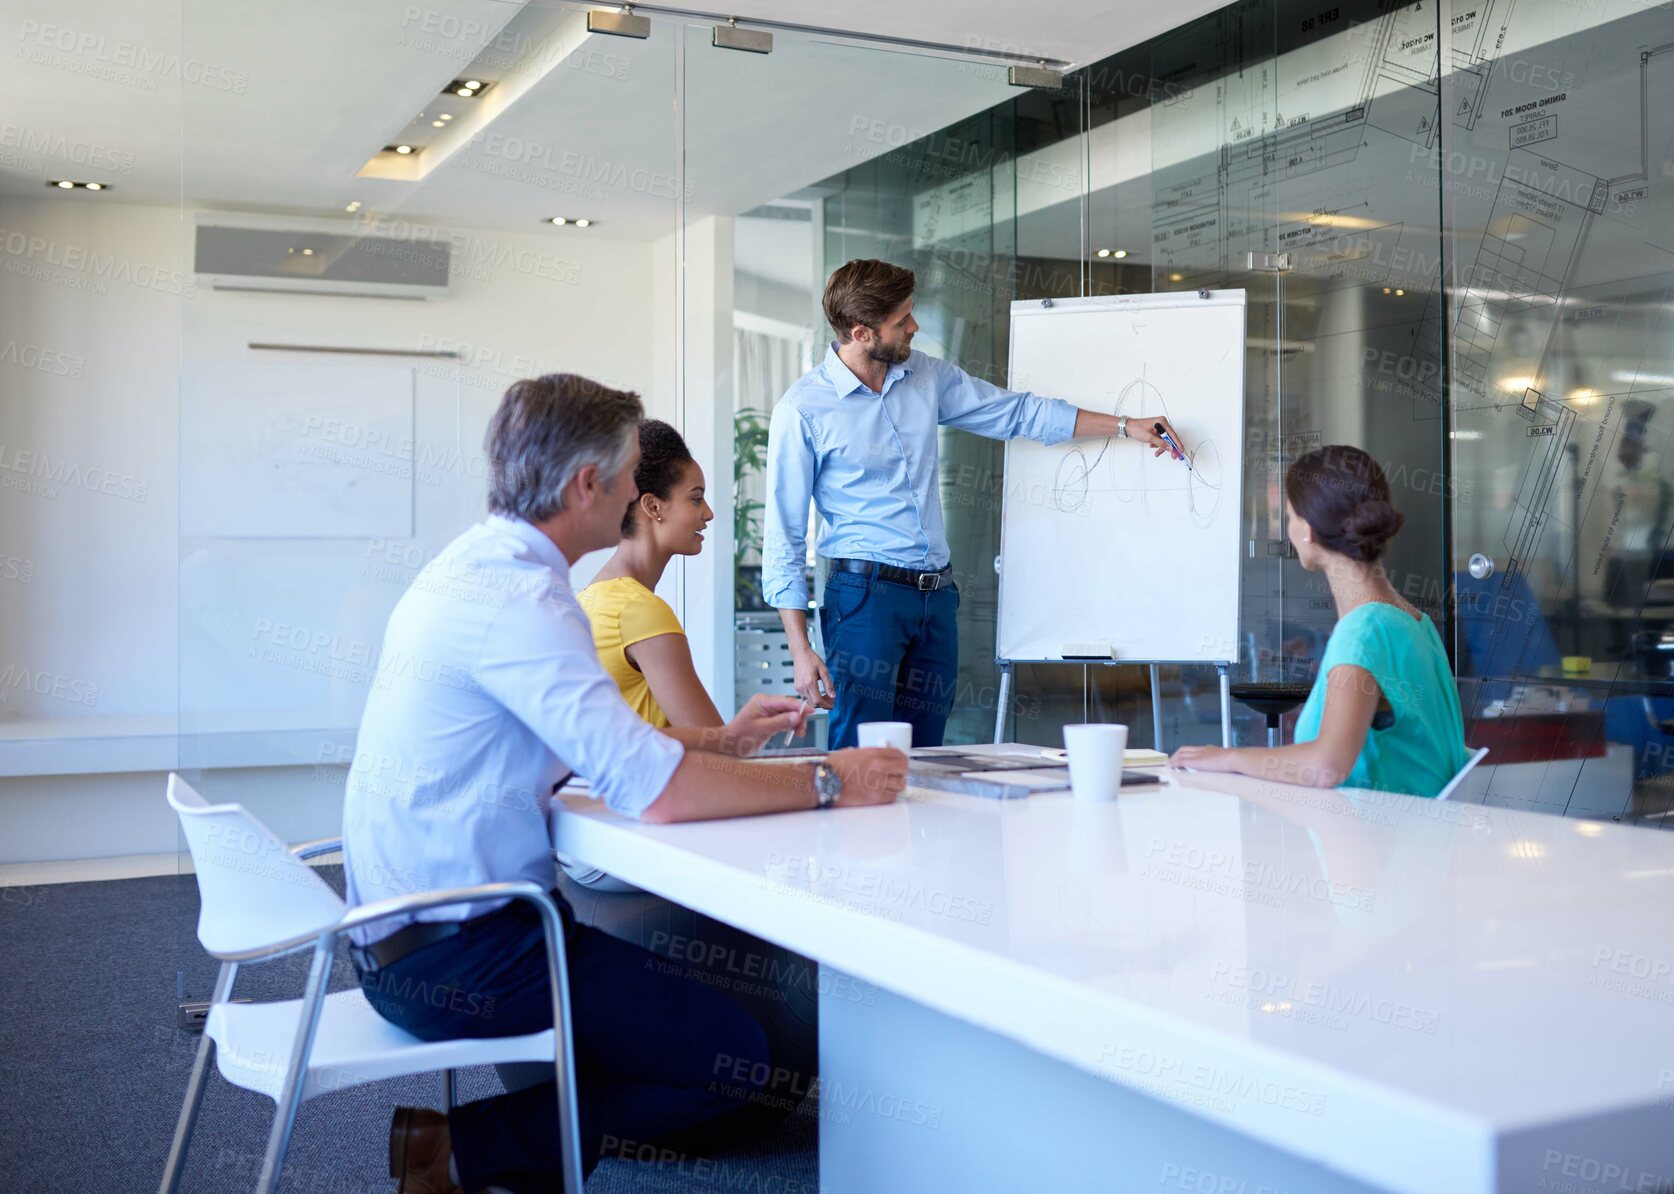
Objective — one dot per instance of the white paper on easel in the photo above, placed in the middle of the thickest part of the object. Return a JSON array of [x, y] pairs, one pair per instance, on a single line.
[[1101, 541]]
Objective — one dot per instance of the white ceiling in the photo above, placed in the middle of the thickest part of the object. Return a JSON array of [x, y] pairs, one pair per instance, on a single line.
[[1072, 31], [246, 105]]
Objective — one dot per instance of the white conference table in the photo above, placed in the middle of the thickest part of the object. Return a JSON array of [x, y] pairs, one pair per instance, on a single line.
[[1219, 984]]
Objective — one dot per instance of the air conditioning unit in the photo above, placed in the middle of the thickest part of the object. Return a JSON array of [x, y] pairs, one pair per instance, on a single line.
[[320, 257]]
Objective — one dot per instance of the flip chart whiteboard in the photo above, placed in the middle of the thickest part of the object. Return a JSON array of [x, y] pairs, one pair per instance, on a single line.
[[1103, 545]]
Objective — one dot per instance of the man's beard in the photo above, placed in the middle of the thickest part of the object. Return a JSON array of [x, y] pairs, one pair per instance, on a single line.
[[890, 356]]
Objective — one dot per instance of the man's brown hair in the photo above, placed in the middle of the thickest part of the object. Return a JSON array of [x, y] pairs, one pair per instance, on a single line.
[[865, 291]]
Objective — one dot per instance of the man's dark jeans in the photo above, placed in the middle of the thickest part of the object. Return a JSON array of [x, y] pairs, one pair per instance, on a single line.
[[656, 1053], [893, 654]]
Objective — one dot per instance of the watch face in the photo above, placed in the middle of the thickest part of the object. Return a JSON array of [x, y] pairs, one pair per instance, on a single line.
[[827, 784]]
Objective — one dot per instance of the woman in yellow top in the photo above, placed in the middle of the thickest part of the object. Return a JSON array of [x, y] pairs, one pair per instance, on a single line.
[[640, 641]]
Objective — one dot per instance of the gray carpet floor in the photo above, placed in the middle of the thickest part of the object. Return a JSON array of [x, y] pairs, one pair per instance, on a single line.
[[92, 1068]]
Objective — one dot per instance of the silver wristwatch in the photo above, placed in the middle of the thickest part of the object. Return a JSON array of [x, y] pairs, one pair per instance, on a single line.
[[1122, 427], [828, 785]]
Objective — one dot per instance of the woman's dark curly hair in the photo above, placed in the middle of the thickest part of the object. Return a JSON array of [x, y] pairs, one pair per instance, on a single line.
[[663, 456], [1342, 493]]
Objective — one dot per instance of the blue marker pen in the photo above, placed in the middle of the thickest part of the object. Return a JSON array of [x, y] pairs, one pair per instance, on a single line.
[[1172, 446]]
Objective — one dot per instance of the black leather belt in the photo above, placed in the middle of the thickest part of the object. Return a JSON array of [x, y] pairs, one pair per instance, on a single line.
[[389, 950], [924, 582]]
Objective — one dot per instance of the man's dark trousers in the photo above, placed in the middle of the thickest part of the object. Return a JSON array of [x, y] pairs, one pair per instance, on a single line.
[[656, 1053], [893, 654]]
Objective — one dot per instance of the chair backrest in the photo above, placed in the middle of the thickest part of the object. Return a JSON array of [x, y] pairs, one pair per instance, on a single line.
[[1453, 784], [254, 892]]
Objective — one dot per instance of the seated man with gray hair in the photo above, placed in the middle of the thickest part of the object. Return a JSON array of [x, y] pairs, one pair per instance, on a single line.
[[489, 696]]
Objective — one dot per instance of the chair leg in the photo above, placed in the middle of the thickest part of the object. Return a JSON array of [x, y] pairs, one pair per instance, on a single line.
[[194, 1090], [453, 1089], [290, 1097], [563, 1059]]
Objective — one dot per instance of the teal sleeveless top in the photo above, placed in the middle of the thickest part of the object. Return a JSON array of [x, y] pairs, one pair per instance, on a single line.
[[1424, 747]]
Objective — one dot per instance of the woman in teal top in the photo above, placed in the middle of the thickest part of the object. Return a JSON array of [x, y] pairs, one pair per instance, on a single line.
[[1384, 712]]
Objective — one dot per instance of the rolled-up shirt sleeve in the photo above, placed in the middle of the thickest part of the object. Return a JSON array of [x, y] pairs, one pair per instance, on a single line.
[[790, 487], [972, 404], [538, 660]]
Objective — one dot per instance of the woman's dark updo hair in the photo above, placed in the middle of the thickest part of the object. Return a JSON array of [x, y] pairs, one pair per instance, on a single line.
[[663, 456], [1343, 495]]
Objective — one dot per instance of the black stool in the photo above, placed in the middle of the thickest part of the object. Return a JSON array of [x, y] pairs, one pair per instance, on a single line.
[[1272, 700]]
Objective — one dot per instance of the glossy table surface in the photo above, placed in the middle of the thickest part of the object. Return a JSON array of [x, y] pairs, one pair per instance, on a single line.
[[1288, 960]]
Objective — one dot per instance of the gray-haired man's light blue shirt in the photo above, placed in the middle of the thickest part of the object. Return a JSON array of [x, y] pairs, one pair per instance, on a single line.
[[488, 693], [868, 462]]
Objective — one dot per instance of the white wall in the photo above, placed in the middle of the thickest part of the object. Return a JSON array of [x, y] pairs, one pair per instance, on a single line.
[[109, 622]]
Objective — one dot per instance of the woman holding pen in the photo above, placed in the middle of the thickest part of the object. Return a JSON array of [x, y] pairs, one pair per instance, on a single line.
[[643, 648], [1384, 710]]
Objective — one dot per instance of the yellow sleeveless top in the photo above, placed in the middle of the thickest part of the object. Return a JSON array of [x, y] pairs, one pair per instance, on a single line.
[[624, 612]]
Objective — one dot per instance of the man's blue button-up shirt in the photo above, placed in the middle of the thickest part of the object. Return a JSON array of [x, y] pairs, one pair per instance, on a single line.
[[869, 463]]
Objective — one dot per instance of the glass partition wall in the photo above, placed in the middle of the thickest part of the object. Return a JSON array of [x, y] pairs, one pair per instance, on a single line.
[[1554, 172], [388, 228], [315, 295], [1350, 168]]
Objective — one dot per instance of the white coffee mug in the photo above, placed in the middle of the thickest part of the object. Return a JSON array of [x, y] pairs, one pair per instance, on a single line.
[[898, 734], [1095, 759]]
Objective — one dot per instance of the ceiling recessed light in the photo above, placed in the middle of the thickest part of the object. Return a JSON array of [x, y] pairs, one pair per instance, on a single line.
[[95, 186], [1400, 294], [1119, 254], [447, 115], [354, 205], [403, 149], [583, 223], [65, 183], [437, 124], [308, 252], [1104, 252], [1176, 277], [559, 220], [473, 84], [290, 250]]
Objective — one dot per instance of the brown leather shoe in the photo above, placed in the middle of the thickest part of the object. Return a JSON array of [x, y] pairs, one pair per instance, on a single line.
[[418, 1152]]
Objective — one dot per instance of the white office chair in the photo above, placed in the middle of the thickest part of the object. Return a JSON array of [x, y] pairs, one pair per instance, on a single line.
[[260, 900], [1453, 784]]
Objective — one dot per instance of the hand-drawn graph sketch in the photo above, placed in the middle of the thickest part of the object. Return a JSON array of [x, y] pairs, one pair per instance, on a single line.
[[1133, 476]]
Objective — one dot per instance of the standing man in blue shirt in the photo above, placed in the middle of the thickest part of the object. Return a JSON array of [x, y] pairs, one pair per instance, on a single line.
[[856, 435]]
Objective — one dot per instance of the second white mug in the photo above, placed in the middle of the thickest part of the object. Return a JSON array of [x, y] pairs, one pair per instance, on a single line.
[[898, 734], [1095, 759]]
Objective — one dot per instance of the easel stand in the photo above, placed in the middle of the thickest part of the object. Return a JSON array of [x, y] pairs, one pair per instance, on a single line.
[[1007, 666]]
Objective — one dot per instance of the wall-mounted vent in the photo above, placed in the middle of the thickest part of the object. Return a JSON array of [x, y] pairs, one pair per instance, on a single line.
[[229, 257]]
